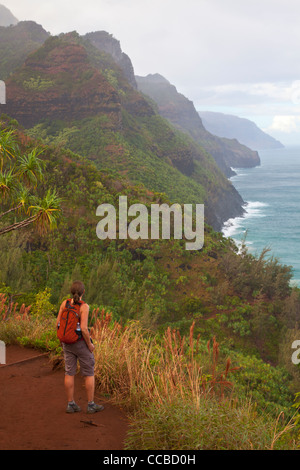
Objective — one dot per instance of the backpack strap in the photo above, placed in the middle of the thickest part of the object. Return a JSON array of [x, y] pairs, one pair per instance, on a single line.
[[72, 307]]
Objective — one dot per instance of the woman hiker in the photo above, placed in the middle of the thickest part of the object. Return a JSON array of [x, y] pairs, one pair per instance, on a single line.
[[76, 348]]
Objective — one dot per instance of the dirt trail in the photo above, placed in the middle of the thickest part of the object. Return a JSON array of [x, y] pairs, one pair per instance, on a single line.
[[32, 410]]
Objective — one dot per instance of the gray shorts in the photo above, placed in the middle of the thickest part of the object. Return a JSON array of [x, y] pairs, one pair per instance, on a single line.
[[78, 351]]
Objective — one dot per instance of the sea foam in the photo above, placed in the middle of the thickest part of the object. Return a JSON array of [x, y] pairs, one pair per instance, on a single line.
[[236, 226]]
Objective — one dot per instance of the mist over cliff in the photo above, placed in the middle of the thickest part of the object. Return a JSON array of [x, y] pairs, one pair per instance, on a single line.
[[234, 127], [16, 43], [181, 112], [6, 17], [81, 92]]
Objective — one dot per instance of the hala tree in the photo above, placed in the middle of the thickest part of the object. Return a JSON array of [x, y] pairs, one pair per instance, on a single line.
[[20, 176]]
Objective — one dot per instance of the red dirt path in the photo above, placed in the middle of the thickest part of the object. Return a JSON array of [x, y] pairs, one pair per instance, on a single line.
[[33, 404]]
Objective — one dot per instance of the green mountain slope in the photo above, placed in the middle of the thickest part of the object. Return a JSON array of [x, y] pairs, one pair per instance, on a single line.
[[16, 42], [70, 93], [245, 302], [100, 138], [181, 113]]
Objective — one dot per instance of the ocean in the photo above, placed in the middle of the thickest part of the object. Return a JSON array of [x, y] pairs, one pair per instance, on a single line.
[[272, 195]]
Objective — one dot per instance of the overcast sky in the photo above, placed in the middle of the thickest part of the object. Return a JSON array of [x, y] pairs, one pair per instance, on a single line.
[[240, 57]]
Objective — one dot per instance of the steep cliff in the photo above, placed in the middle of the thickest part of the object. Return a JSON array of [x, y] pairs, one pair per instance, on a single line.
[[70, 93], [6, 17], [181, 112], [234, 127], [58, 82], [105, 42], [16, 43]]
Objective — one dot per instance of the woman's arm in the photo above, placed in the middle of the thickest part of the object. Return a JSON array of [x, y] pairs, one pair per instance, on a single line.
[[84, 317], [60, 312]]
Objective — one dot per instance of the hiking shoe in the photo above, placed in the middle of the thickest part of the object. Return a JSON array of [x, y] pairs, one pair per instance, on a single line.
[[93, 408], [72, 408]]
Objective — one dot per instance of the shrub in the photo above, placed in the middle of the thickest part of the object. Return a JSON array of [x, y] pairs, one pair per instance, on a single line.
[[177, 424], [42, 305], [19, 327]]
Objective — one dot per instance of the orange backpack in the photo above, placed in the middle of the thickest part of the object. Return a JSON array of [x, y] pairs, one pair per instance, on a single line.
[[68, 331]]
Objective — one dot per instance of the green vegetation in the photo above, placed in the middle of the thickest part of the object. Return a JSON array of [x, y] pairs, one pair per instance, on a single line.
[[17, 42], [201, 338], [173, 303], [177, 391], [37, 84], [120, 129], [19, 175]]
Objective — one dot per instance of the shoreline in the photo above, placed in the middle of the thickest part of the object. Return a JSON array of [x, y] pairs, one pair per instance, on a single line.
[[236, 229]]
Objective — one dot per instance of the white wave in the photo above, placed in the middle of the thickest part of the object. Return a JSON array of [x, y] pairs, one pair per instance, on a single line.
[[255, 209], [236, 176], [255, 204], [232, 226], [237, 225], [238, 171]]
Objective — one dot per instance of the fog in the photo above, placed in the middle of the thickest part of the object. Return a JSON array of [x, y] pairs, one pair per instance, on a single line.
[[239, 57]]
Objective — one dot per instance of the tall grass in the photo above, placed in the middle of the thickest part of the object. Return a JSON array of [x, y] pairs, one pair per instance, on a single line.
[[175, 389], [139, 367], [18, 326], [8, 309], [178, 424], [176, 392]]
